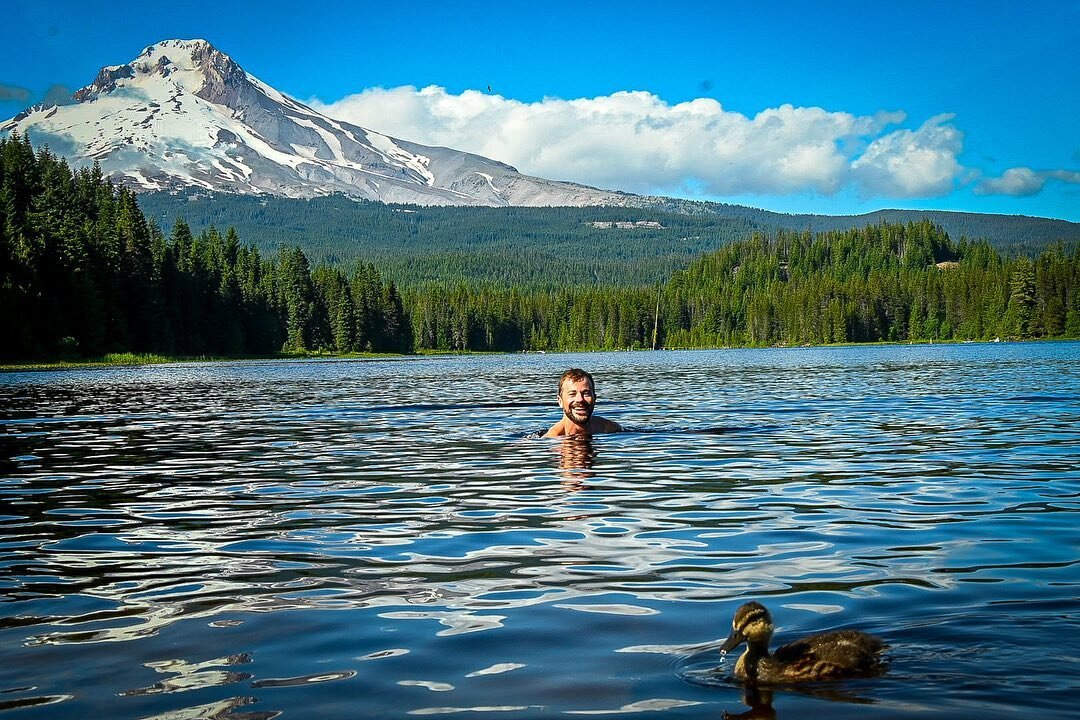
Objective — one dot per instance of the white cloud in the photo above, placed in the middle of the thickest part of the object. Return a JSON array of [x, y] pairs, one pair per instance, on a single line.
[[1024, 182], [1018, 182], [1069, 176], [636, 141], [912, 163]]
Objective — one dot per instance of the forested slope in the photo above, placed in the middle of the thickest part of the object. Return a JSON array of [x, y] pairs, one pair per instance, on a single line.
[[546, 247], [535, 247], [84, 272]]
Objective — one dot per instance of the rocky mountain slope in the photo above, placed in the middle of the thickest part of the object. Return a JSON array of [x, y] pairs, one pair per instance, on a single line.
[[185, 115]]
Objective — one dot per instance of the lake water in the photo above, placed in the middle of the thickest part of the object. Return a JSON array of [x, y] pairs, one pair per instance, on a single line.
[[384, 539]]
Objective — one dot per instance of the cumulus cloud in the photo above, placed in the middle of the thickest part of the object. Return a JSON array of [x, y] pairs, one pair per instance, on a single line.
[[636, 141], [1024, 182], [1018, 182], [912, 163]]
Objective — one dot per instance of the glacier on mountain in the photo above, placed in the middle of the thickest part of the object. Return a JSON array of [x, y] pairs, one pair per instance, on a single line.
[[185, 115]]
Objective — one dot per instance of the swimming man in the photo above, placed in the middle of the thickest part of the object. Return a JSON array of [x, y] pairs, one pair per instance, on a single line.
[[577, 398]]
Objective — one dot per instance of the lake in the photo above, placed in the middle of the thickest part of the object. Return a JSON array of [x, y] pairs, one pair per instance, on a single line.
[[389, 539]]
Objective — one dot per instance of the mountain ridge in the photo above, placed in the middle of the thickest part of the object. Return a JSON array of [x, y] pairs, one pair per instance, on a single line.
[[185, 115]]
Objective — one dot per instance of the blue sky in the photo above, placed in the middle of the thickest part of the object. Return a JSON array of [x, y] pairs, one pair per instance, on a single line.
[[832, 107]]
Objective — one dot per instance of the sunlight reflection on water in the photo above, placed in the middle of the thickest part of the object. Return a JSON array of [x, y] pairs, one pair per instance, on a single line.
[[359, 536]]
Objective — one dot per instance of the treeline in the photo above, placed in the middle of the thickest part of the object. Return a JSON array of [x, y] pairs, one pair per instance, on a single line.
[[506, 319], [878, 283], [82, 273], [1011, 235]]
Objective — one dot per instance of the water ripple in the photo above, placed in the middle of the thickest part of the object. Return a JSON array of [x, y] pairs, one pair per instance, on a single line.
[[296, 518]]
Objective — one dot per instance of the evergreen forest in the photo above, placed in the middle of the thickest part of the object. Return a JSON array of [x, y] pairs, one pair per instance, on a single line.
[[544, 247], [84, 272], [524, 247]]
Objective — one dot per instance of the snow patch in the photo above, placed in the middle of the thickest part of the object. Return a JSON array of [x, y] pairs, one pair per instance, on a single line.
[[143, 181], [151, 130], [490, 183], [305, 151], [397, 156], [332, 141]]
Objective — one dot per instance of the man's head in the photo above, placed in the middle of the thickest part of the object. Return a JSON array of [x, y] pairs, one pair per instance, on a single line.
[[577, 395]]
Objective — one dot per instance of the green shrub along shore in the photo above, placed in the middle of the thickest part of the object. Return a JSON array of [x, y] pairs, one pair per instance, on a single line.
[[84, 275]]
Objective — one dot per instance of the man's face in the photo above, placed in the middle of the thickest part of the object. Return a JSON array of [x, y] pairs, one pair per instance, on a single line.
[[577, 400]]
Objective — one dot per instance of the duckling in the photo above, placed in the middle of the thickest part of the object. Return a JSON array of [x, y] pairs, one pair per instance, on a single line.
[[827, 656]]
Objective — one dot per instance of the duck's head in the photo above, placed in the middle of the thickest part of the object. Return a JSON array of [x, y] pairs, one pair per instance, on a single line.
[[752, 624]]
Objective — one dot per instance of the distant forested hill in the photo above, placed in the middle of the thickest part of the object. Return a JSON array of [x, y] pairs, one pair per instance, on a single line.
[[542, 247], [1013, 235], [533, 247]]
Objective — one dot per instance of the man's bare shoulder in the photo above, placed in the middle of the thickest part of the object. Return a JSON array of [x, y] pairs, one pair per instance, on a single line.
[[556, 430], [597, 425], [607, 426]]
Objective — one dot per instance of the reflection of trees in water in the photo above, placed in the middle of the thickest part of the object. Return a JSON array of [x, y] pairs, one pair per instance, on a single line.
[[576, 457]]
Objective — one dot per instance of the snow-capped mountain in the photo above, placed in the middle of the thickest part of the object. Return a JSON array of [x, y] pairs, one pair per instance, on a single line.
[[184, 115]]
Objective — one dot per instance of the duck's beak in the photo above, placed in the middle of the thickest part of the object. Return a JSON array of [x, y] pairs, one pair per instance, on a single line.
[[735, 639]]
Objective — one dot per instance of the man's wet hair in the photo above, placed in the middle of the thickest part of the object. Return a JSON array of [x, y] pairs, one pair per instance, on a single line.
[[574, 375]]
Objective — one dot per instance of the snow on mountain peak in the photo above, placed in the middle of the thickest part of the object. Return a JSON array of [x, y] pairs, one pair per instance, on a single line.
[[194, 65], [186, 47], [184, 114]]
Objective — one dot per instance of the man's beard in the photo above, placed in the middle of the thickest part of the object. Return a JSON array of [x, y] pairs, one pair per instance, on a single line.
[[586, 410]]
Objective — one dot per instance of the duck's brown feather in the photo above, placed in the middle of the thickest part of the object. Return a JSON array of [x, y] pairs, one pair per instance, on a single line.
[[842, 653], [825, 656]]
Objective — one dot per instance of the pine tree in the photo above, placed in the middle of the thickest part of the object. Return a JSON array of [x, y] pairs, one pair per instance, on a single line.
[[1021, 299]]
